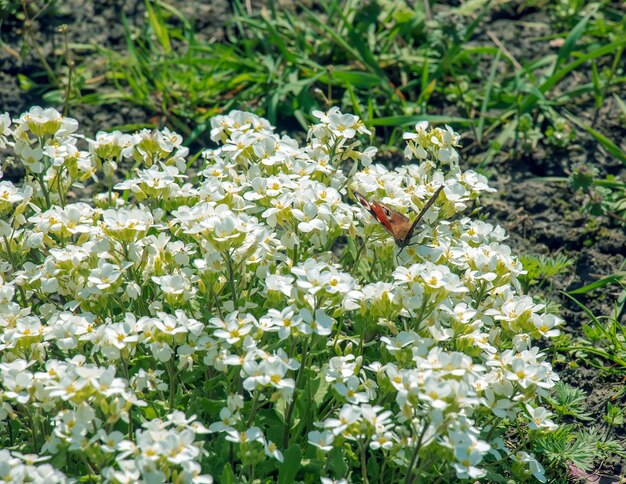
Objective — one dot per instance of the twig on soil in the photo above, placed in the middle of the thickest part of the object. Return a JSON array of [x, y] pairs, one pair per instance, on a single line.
[[429, 15], [615, 216], [504, 50], [10, 51]]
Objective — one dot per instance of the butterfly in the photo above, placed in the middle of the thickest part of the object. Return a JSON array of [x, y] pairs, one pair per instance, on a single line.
[[398, 225]]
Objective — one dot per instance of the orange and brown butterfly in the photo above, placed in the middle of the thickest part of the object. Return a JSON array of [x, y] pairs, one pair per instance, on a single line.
[[398, 225]]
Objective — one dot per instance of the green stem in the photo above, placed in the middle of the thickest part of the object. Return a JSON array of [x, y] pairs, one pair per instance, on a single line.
[[231, 278], [131, 430], [605, 88], [172, 375], [292, 404], [7, 243], [423, 312], [594, 351], [364, 478], [493, 427], [358, 252], [70, 71], [254, 407], [414, 458], [42, 185], [28, 24], [382, 469]]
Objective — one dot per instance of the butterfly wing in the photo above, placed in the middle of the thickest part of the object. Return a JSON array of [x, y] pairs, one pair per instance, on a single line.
[[398, 225], [394, 222], [420, 216]]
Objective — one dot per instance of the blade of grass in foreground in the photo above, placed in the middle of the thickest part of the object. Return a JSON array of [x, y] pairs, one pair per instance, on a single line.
[[408, 120], [555, 78], [570, 42], [605, 281], [606, 143], [485, 104]]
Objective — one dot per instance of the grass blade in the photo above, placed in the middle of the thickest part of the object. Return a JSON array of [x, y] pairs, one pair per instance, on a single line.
[[597, 89], [605, 281], [359, 79], [620, 103], [409, 120], [485, 104], [159, 27], [555, 78], [606, 143], [570, 42]]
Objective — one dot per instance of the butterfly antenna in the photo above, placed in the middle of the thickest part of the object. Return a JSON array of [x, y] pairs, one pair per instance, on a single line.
[[425, 208]]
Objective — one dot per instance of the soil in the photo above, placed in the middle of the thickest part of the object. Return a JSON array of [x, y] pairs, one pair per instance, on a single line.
[[545, 218], [541, 218]]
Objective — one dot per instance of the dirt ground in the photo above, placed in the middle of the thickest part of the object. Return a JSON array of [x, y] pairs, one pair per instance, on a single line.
[[540, 218], [546, 218]]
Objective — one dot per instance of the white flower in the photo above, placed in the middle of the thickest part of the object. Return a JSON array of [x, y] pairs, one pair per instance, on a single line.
[[253, 434], [5, 124], [343, 125], [284, 322], [341, 368], [175, 287], [31, 157], [104, 276], [535, 468], [546, 324], [127, 224], [347, 416], [539, 419], [319, 323], [349, 391], [271, 450], [259, 286], [322, 440]]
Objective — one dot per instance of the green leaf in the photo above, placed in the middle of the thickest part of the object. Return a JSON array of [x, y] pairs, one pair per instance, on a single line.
[[281, 409], [563, 179], [149, 413], [25, 83], [360, 79], [291, 465], [356, 46], [54, 97], [426, 93], [555, 78], [606, 143], [485, 104], [470, 7], [277, 40], [336, 462], [570, 41], [408, 120], [322, 389], [424, 77], [159, 27], [620, 103], [597, 89], [373, 469], [127, 128], [605, 281], [227, 475], [495, 477]]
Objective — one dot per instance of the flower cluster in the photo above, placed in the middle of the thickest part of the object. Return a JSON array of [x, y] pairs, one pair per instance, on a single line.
[[18, 467], [255, 307], [432, 143]]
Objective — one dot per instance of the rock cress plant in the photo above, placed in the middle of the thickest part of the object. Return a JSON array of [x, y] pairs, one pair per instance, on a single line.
[[251, 321]]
